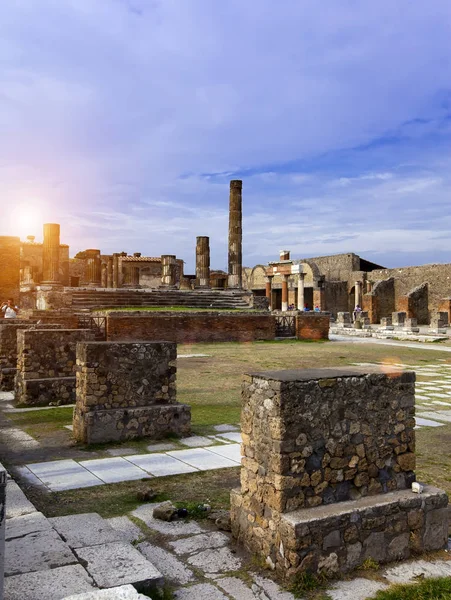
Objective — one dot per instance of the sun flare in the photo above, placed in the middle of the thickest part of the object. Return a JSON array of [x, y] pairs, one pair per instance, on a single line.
[[28, 219]]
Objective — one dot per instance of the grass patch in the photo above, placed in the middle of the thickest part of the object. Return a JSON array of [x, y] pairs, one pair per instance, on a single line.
[[307, 582], [59, 415], [428, 589]]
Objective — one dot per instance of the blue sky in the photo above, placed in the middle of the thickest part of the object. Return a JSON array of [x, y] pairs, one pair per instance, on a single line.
[[124, 120]]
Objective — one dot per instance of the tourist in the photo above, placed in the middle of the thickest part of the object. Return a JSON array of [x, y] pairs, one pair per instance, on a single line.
[[306, 307], [9, 309], [357, 311], [317, 309]]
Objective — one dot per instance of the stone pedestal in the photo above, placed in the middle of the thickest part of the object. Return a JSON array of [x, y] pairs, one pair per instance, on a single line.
[[344, 319], [328, 460], [51, 254], [386, 321], [398, 318], [127, 390], [46, 365], [235, 235], [203, 261]]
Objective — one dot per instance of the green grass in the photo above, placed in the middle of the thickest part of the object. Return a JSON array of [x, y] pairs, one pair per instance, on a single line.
[[428, 589], [59, 416]]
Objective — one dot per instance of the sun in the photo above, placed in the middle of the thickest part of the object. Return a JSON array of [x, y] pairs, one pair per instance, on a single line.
[[27, 219]]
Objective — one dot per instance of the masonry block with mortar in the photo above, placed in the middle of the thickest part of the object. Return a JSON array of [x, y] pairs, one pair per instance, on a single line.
[[46, 365], [328, 461], [127, 390]]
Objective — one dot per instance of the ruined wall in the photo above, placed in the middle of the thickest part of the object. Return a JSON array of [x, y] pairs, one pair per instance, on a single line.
[[415, 304], [127, 390], [336, 296], [190, 327], [31, 255], [10, 268], [405, 279], [336, 267], [380, 302], [150, 275]]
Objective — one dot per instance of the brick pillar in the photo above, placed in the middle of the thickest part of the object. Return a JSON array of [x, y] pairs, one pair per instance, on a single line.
[[109, 271], [203, 261], [51, 254], [358, 293], [93, 271], [168, 270], [9, 268], [284, 292], [301, 296], [235, 235]]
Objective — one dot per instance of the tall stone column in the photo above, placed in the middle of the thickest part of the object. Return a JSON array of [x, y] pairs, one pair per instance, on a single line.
[[301, 296], [51, 254], [203, 261], [235, 235], [93, 267], [168, 270], [116, 278], [109, 272], [358, 293], [135, 276], [284, 292]]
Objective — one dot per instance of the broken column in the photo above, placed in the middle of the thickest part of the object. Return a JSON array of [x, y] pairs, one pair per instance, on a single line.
[[93, 270], [168, 270], [127, 390], [235, 235], [203, 261], [51, 254], [321, 450], [46, 365]]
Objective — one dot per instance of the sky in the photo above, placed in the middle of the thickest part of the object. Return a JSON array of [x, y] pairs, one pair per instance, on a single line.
[[125, 120]]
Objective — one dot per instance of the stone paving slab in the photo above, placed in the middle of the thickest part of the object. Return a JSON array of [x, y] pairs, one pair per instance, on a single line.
[[225, 428], [237, 588], [88, 529], [23, 525], [233, 436], [160, 465], [113, 470], [17, 503], [61, 475], [39, 551], [161, 447], [200, 542], [202, 459], [271, 589], [169, 566], [407, 571], [215, 561], [357, 589], [173, 528], [120, 451], [230, 451], [130, 532], [30, 477], [54, 584], [427, 422], [119, 563], [124, 592], [196, 441], [439, 416], [201, 591], [6, 396]]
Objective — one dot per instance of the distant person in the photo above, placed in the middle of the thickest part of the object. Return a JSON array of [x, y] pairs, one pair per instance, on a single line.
[[317, 309], [306, 307], [357, 311], [9, 309]]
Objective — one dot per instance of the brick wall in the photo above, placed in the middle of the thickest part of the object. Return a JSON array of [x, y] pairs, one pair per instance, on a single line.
[[191, 327], [311, 326]]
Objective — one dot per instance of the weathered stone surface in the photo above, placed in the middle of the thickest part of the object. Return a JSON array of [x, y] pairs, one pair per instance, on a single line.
[[165, 511], [119, 563], [174, 528], [407, 572], [357, 589], [23, 525], [199, 542], [169, 566], [124, 592], [53, 584], [17, 503], [129, 531], [88, 529], [202, 591], [127, 390], [36, 551], [215, 561]]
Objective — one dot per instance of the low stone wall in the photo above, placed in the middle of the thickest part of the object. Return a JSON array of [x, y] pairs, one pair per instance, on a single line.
[[328, 460], [191, 327], [127, 390], [44, 356], [66, 319], [311, 326]]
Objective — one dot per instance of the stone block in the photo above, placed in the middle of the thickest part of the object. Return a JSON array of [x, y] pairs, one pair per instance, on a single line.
[[398, 318], [344, 318], [53, 584], [88, 529], [409, 323], [119, 563], [44, 392], [17, 503], [386, 321], [124, 592]]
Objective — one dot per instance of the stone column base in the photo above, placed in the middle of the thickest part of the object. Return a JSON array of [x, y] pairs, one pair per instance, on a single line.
[[119, 424], [43, 392], [337, 538]]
